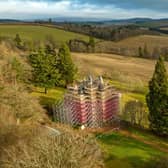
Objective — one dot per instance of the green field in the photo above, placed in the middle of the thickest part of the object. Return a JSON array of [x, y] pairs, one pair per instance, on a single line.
[[51, 97], [126, 152], [30, 32]]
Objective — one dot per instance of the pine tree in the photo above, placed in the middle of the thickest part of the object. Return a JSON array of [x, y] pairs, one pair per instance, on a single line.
[[50, 50], [157, 99], [66, 66], [45, 73]]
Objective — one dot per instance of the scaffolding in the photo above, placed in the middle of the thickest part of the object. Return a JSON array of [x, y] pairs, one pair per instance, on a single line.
[[91, 103]]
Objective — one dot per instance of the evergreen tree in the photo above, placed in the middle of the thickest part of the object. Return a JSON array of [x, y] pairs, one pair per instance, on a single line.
[[45, 73], [50, 50], [157, 99], [66, 66]]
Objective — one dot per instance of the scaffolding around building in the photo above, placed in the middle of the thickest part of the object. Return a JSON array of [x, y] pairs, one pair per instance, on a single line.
[[91, 103]]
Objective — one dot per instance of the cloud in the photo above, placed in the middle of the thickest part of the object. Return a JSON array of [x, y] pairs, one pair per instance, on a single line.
[[157, 5], [102, 9]]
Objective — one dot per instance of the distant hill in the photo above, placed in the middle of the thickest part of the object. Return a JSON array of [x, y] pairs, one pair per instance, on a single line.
[[126, 21], [147, 22], [154, 23], [9, 21], [144, 22]]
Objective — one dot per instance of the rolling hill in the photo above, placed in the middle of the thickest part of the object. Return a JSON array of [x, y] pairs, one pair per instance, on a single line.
[[32, 32], [130, 45], [115, 66]]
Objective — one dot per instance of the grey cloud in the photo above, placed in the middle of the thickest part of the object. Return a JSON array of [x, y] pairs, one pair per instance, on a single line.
[[157, 5]]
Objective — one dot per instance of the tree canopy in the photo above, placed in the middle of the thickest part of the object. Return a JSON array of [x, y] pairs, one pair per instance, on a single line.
[[66, 66], [51, 69], [45, 73]]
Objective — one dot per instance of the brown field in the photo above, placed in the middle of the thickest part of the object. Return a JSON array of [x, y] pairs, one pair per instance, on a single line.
[[164, 28], [131, 45], [115, 66]]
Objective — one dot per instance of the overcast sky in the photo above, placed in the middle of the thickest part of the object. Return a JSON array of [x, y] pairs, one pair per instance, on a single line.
[[101, 9]]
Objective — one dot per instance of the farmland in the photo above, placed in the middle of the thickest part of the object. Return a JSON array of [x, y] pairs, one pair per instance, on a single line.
[[132, 44], [30, 32], [115, 66]]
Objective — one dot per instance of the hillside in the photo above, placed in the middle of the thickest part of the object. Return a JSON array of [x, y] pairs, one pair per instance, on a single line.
[[154, 23], [130, 45], [115, 66], [31, 32], [28, 137]]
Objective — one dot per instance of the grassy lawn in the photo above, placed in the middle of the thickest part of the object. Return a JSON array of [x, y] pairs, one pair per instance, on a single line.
[[128, 92], [129, 87], [51, 97], [125, 152], [35, 33], [128, 96], [147, 136]]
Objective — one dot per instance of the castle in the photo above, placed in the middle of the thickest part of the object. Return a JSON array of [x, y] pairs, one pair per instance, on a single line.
[[91, 103]]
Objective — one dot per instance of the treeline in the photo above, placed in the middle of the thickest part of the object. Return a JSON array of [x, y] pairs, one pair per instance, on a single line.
[[160, 30], [111, 33], [92, 46], [144, 52], [77, 45], [27, 45]]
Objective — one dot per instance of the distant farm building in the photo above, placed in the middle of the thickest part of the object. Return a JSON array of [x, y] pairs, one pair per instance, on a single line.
[[91, 103]]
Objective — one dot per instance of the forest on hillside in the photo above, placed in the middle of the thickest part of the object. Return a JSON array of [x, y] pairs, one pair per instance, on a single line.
[[108, 32]]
